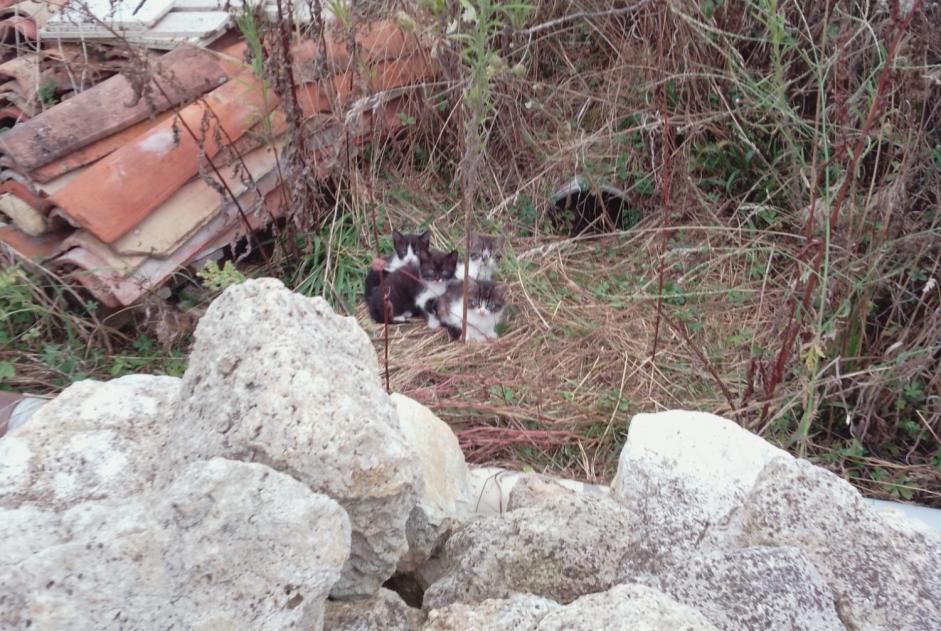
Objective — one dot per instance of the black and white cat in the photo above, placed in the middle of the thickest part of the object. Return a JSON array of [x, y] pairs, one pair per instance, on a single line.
[[485, 304], [411, 290], [405, 249], [484, 256]]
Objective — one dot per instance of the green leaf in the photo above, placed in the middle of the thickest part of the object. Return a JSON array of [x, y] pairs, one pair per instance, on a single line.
[[7, 371]]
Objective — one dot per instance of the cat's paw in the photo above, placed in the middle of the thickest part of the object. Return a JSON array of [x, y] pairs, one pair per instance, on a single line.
[[378, 264]]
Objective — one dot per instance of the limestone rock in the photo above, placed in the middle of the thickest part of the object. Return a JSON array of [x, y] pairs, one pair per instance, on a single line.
[[883, 574], [622, 608], [491, 488], [686, 473], [278, 378], [520, 612], [753, 588], [227, 545], [560, 549], [385, 611], [625, 608], [96, 440], [26, 530], [532, 489], [444, 502]]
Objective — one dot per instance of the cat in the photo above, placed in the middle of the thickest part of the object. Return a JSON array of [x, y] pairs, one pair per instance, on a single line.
[[405, 249], [485, 304], [408, 291], [485, 254], [436, 270]]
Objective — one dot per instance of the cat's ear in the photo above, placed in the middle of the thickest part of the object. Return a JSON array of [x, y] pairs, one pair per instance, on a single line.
[[499, 241], [398, 239], [451, 259], [424, 240], [498, 295]]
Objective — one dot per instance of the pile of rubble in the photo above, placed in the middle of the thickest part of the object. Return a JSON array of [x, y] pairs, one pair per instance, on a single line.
[[157, 167], [277, 485]]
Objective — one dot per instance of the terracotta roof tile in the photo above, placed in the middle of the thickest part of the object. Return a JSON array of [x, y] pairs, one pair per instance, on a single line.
[[32, 248], [95, 151], [191, 207], [104, 202], [385, 75], [109, 107], [138, 190], [92, 273]]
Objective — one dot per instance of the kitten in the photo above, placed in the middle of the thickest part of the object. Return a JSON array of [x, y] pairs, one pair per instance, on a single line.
[[393, 300], [486, 251], [408, 290], [405, 252], [436, 270], [485, 303]]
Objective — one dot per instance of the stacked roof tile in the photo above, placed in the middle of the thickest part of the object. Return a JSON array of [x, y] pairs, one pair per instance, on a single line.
[[119, 192]]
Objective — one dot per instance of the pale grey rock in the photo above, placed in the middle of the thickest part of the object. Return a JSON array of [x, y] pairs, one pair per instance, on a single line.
[[519, 612], [444, 502], [625, 608], [533, 489], [883, 573], [96, 440], [227, 545], [385, 611], [491, 487], [560, 549], [26, 530], [279, 378], [686, 474], [752, 588]]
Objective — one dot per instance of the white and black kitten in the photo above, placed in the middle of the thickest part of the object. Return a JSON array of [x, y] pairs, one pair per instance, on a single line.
[[485, 254], [485, 303], [405, 249], [409, 290], [437, 270]]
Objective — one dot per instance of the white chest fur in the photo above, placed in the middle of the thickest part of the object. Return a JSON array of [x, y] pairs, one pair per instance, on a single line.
[[481, 324]]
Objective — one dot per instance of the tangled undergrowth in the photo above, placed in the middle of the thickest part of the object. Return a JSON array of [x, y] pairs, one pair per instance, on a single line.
[[776, 259]]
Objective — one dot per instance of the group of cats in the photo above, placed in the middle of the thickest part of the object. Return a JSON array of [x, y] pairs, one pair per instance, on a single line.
[[417, 281]]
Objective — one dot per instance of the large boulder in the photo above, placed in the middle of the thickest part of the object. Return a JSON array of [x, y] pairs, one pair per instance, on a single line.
[[385, 611], [686, 474], [625, 608], [444, 503], [520, 612], [752, 588], [96, 440], [561, 549], [883, 573], [621, 608], [227, 545], [279, 378]]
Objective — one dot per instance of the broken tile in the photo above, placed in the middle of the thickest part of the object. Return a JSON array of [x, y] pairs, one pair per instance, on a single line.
[[120, 264], [91, 273], [178, 27], [101, 200], [32, 248], [110, 107], [375, 41], [24, 70], [385, 75], [90, 16], [24, 217]]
